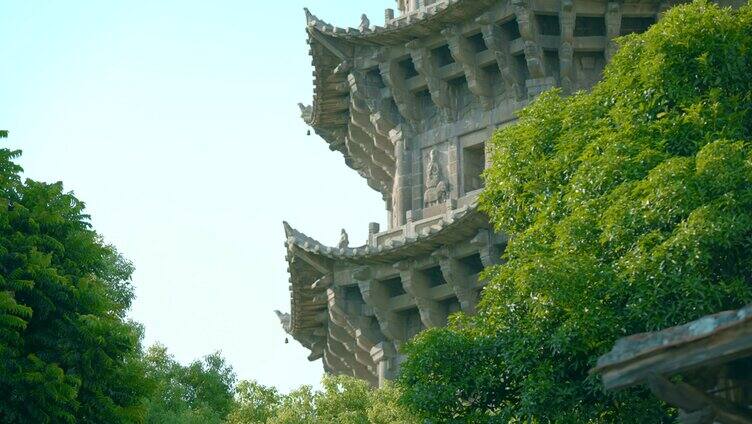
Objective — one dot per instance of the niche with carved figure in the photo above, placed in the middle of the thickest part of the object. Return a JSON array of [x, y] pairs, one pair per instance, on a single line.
[[436, 187]]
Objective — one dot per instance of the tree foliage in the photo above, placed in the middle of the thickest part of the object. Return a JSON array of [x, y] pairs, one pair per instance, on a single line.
[[201, 392], [342, 400], [628, 209], [67, 354]]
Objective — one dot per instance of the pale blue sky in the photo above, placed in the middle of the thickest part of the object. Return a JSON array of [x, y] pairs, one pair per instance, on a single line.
[[176, 122]]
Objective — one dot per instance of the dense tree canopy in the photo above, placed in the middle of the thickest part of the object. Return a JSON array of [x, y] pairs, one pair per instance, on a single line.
[[205, 392], [201, 392], [67, 354], [629, 210], [342, 400]]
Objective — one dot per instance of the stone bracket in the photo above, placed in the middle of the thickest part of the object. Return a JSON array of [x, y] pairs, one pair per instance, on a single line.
[[384, 355], [377, 298], [417, 285], [490, 253], [499, 44], [528, 30], [426, 65], [459, 277], [464, 53], [394, 78]]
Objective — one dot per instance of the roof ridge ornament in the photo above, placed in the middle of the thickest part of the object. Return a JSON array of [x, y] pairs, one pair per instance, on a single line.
[[306, 112], [286, 321], [365, 23], [289, 232], [311, 19]]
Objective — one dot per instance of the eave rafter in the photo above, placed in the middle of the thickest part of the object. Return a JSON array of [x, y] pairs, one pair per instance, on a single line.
[[367, 98], [373, 162], [360, 337], [345, 348]]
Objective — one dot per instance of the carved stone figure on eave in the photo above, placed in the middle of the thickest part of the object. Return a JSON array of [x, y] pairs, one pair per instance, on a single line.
[[365, 23], [344, 240]]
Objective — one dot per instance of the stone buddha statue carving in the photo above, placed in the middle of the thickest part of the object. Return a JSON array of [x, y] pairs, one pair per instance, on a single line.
[[436, 188]]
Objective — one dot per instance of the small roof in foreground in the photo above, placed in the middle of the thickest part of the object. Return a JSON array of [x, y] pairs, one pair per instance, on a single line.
[[708, 341]]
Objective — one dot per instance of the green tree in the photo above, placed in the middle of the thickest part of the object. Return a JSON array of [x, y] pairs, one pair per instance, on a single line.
[[342, 400], [456, 375], [629, 210], [387, 407], [67, 354], [201, 392], [297, 407], [255, 403]]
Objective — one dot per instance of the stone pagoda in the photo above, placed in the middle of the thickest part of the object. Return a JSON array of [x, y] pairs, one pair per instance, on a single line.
[[410, 106]]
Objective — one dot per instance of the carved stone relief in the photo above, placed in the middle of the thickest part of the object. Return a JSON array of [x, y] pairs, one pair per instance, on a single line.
[[436, 185]]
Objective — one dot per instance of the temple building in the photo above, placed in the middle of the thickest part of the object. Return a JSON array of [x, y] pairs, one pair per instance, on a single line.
[[410, 105]]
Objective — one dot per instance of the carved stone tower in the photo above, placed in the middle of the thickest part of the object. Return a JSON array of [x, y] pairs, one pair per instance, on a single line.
[[410, 106]]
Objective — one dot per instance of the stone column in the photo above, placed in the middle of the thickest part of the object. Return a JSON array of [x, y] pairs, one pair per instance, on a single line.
[[613, 27], [566, 49], [401, 187], [388, 15], [373, 229], [384, 355]]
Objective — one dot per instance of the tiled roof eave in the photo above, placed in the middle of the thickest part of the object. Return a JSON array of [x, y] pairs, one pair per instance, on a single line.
[[408, 26], [465, 216]]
